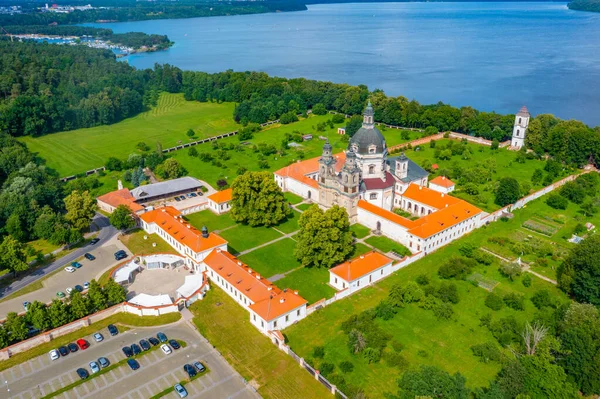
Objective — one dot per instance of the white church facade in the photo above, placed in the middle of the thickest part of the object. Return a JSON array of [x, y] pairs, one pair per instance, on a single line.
[[520, 128]]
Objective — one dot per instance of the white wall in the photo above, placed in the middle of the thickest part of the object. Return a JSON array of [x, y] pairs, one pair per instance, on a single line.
[[441, 189], [444, 237], [279, 323], [376, 275], [302, 189], [388, 228]]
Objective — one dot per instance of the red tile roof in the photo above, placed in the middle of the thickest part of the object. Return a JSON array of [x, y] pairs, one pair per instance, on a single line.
[[442, 181], [429, 197], [170, 220], [360, 266], [221, 196], [439, 221], [299, 170], [277, 305], [391, 216], [120, 197], [377, 184]]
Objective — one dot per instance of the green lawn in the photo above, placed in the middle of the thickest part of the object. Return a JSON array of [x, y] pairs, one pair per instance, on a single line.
[[359, 230], [243, 237], [211, 220], [427, 340], [138, 246], [273, 259], [360, 249], [293, 198], [304, 207], [290, 224], [79, 150], [386, 245], [311, 283], [227, 326], [43, 246]]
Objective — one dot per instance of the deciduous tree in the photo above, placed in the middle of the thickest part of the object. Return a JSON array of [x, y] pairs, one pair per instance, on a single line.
[[257, 200], [508, 191], [122, 218], [12, 255], [81, 208]]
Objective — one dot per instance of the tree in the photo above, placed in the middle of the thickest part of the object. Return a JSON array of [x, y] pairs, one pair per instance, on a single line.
[[80, 305], [573, 191], [115, 293], [113, 164], [288, 117], [537, 177], [353, 125], [97, 296], [319, 109], [495, 144], [16, 327], [37, 316], [122, 218], [557, 201], [13, 256], [432, 382], [579, 274], [532, 335], [508, 191], [193, 152], [170, 169], [81, 208], [257, 200], [325, 238], [190, 133], [58, 313]]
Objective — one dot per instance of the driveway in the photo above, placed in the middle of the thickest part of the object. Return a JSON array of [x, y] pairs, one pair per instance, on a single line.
[[107, 232], [41, 376], [62, 279]]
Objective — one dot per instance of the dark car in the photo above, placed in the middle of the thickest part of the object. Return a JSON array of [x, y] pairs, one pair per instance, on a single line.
[[174, 344], [78, 288], [190, 370], [94, 241], [76, 265], [104, 362], [82, 373], [73, 347], [136, 349], [153, 341], [120, 255], [112, 330], [127, 351], [63, 350], [162, 337], [133, 364], [89, 256], [145, 344], [177, 199], [199, 366]]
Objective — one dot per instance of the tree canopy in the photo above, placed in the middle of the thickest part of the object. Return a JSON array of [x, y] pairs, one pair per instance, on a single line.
[[257, 200], [579, 274], [122, 218], [508, 191]]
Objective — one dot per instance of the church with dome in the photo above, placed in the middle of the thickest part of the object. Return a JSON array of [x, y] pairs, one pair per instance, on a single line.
[[371, 185]]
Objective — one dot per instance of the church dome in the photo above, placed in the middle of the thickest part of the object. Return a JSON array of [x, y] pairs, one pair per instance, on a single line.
[[368, 135]]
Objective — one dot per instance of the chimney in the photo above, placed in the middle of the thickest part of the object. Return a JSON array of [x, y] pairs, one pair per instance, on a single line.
[[296, 292], [239, 263], [164, 210], [442, 195], [443, 177], [420, 187], [282, 300], [258, 276], [204, 232], [269, 289], [218, 250], [362, 256]]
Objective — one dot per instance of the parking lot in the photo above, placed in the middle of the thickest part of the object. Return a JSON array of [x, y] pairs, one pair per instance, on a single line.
[[61, 279], [41, 376]]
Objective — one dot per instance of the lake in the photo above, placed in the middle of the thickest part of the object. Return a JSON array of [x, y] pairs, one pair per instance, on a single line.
[[492, 56]]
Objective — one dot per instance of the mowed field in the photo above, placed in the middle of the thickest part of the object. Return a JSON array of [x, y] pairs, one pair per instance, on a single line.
[[79, 150]]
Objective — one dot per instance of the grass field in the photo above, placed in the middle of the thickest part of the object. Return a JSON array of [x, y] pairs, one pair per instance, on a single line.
[[227, 326], [211, 220], [311, 283], [293, 198], [243, 237], [426, 339], [385, 245], [138, 246], [290, 224], [359, 230], [273, 259], [79, 150]]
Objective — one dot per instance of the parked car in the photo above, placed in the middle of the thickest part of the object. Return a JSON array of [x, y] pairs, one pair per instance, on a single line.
[[112, 330], [94, 241], [121, 254], [190, 370], [166, 349], [136, 349], [82, 373], [86, 285], [180, 390], [60, 294], [104, 362], [145, 344], [182, 197], [98, 337], [83, 344], [133, 364], [78, 288], [72, 347], [69, 269], [153, 341], [89, 256], [200, 193], [69, 290], [76, 265], [192, 195], [94, 367], [127, 351], [200, 367], [26, 305], [63, 350], [162, 337], [177, 199], [54, 354], [174, 344]]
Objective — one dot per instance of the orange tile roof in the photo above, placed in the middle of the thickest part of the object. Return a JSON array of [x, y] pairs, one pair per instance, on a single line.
[[391, 216], [299, 170], [120, 197], [278, 304], [439, 221], [442, 181], [170, 220], [429, 197], [360, 266], [221, 196]]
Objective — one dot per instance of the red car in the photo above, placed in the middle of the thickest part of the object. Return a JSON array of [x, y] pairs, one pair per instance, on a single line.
[[83, 344]]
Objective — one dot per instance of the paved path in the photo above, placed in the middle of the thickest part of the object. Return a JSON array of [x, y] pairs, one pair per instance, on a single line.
[[525, 266], [107, 232], [283, 237]]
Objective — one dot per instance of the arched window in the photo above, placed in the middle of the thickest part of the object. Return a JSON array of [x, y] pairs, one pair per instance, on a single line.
[[519, 121], [346, 179], [371, 169], [517, 132]]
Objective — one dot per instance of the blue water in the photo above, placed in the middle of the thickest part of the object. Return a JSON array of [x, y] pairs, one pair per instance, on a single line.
[[492, 56]]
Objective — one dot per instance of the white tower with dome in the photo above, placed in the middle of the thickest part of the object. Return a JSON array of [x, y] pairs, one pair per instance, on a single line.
[[520, 128]]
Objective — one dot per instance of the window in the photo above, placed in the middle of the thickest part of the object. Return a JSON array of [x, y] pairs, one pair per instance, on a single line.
[[371, 169], [275, 323], [298, 312], [336, 280], [519, 121], [373, 196], [262, 324], [254, 317], [371, 150], [517, 132], [287, 317]]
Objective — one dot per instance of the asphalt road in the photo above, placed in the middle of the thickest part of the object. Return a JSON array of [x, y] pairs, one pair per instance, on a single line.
[[107, 232]]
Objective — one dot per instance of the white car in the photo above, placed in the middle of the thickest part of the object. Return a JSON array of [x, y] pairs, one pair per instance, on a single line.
[[69, 290], [166, 349], [54, 354], [94, 367], [86, 285], [70, 269]]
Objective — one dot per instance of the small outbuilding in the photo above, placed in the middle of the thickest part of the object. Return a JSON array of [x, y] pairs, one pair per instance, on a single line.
[[442, 184], [360, 271]]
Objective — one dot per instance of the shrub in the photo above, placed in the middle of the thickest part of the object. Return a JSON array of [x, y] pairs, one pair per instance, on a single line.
[[542, 298], [372, 355], [394, 359], [487, 352], [573, 191], [447, 292], [288, 117], [326, 369], [514, 301], [241, 170], [263, 164], [443, 311], [142, 146], [397, 346], [346, 367], [467, 249], [510, 270], [422, 279], [557, 201], [193, 152], [190, 133], [526, 280], [494, 301], [385, 310], [483, 257], [318, 352], [457, 268], [401, 294], [319, 109], [338, 118]]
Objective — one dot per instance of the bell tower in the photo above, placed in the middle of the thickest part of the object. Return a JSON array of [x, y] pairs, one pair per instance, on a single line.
[[402, 166], [520, 128], [368, 121], [326, 163]]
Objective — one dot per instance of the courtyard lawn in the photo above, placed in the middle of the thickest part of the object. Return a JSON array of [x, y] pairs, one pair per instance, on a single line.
[[276, 258], [276, 375], [386, 245], [293, 198], [311, 283], [138, 246], [304, 207], [290, 224], [211, 220], [360, 249], [79, 150], [359, 230], [243, 237], [427, 340]]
